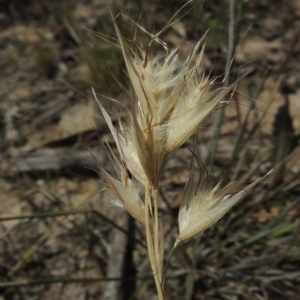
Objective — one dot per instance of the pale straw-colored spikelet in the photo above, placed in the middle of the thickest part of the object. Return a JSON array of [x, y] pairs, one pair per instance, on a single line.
[[127, 194], [126, 145], [203, 206]]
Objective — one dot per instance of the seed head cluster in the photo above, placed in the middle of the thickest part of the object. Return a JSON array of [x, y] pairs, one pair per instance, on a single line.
[[170, 98]]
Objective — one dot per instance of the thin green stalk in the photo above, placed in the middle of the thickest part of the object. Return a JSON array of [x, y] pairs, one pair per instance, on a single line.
[[273, 229], [48, 214]]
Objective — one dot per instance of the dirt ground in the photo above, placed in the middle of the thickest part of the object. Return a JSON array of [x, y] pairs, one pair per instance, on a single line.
[[60, 238]]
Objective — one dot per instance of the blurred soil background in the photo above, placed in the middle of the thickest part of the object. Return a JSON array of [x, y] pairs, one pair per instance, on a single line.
[[59, 236]]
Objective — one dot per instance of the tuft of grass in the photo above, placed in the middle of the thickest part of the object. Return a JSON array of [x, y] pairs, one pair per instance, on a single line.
[[169, 101]]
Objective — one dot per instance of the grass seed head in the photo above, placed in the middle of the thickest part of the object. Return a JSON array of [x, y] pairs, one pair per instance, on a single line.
[[128, 195], [200, 210], [126, 145]]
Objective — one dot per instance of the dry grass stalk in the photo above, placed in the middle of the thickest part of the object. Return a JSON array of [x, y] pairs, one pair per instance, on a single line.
[[171, 99]]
